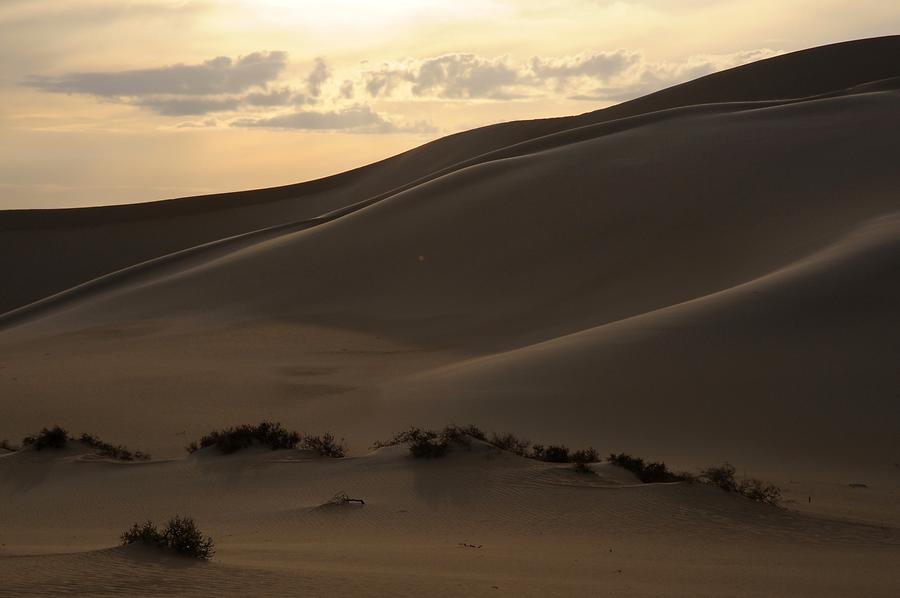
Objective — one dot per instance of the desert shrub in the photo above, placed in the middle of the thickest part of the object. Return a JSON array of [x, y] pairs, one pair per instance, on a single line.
[[54, 437], [181, 535], [6, 445], [324, 445], [234, 439], [430, 444], [511, 443], [722, 476], [557, 454], [588, 455], [648, 473], [145, 533], [760, 491], [113, 451], [583, 467]]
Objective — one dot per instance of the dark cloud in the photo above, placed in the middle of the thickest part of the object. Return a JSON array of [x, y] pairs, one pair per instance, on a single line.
[[219, 75], [358, 119], [187, 106], [275, 97], [317, 77]]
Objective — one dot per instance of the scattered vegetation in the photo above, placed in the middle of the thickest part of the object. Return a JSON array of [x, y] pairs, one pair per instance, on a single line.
[[510, 443], [324, 445], [582, 467], [113, 451], [57, 438], [54, 437], [270, 434], [648, 473], [722, 476], [435, 443], [180, 535]]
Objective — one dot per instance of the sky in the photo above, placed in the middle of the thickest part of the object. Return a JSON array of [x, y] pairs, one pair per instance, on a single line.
[[118, 101]]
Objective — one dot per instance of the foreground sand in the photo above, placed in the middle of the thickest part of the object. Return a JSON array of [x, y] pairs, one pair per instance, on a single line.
[[705, 274], [532, 529]]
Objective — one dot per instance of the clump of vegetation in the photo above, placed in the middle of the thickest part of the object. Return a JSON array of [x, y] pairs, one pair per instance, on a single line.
[[722, 476], [54, 437], [510, 443], [113, 451], [270, 434], [435, 443], [427, 444], [57, 438], [180, 535], [646, 472], [582, 467], [324, 445]]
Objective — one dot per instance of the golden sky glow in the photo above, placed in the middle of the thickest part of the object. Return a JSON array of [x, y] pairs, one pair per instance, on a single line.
[[113, 101]]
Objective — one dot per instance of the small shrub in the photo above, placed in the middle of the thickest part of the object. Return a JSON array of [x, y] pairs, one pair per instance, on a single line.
[[234, 439], [760, 491], [756, 490], [721, 476], [588, 455], [145, 533], [113, 451], [181, 535], [509, 442], [324, 445], [583, 467], [431, 444], [54, 437], [648, 473], [557, 454]]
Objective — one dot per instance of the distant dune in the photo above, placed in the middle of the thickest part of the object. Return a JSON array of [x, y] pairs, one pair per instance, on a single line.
[[705, 267], [708, 273]]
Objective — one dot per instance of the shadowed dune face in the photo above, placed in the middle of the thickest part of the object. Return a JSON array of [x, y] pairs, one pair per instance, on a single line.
[[710, 277]]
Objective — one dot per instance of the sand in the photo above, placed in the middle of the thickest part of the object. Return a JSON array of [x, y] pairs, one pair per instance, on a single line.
[[701, 275]]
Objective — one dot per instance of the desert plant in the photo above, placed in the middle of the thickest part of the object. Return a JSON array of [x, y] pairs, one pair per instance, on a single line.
[[431, 444], [583, 467], [112, 451], [721, 476], [181, 535], [54, 437], [511, 443], [588, 455], [324, 445], [266, 433], [342, 498], [556, 454], [648, 473], [760, 491]]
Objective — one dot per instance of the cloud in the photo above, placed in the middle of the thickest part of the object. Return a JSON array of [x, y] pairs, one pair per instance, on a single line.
[[317, 77], [347, 89], [275, 97], [357, 118], [187, 106], [219, 75], [602, 65], [608, 76]]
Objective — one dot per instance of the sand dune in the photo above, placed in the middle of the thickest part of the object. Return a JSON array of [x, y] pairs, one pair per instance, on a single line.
[[707, 273]]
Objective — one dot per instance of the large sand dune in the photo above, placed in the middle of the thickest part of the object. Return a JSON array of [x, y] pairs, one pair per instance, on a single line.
[[707, 273]]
